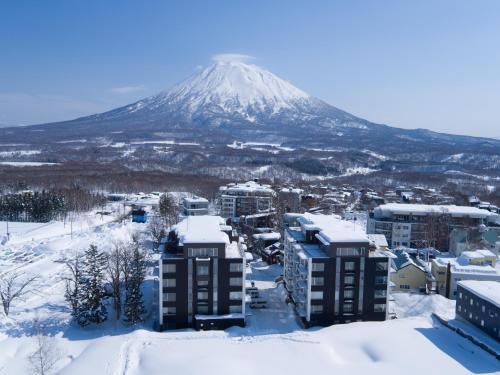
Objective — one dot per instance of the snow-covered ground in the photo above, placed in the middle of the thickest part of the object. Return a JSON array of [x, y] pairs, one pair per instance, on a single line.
[[272, 342]]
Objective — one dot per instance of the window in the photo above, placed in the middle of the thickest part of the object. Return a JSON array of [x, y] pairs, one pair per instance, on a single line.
[[169, 267], [348, 308], [460, 295], [202, 309], [381, 266], [349, 280], [317, 281], [235, 309], [379, 307], [316, 295], [202, 282], [235, 267], [404, 286], [380, 293], [348, 293], [169, 311], [471, 302], [349, 266], [483, 308], [459, 308], [380, 280], [169, 297], [482, 323], [235, 281], [470, 315], [170, 283], [202, 252], [202, 295], [235, 295], [202, 270], [318, 267], [316, 309], [349, 251]]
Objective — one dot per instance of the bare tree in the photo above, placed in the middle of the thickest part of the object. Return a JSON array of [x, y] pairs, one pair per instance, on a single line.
[[72, 281], [46, 353], [114, 270], [14, 286], [156, 230]]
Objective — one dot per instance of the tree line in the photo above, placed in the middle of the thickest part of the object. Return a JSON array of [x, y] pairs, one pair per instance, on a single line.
[[46, 205]]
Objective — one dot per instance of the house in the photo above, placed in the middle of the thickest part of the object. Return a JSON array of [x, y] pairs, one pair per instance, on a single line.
[[247, 198], [478, 302], [449, 271], [421, 225], [194, 206], [408, 275], [332, 273], [202, 276]]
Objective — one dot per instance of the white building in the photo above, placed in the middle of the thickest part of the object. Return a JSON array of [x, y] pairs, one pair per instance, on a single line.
[[194, 206], [247, 198], [407, 224]]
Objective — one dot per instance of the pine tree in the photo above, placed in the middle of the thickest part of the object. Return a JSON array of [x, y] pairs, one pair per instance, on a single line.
[[134, 304], [91, 289]]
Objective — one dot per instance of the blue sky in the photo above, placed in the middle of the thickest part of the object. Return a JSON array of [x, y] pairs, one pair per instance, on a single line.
[[428, 64]]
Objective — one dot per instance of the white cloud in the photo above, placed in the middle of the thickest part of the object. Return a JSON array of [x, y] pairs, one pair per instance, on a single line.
[[127, 89], [225, 57]]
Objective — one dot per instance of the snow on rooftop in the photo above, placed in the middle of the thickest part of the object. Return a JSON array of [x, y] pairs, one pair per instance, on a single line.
[[201, 229], [248, 187], [488, 290], [423, 209], [333, 229], [195, 199], [267, 236]]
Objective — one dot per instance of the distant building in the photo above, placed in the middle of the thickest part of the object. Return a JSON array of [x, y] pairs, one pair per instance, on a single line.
[[194, 206], [243, 199], [470, 265], [408, 274], [202, 276], [331, 271], [420, 225], [478, 302]]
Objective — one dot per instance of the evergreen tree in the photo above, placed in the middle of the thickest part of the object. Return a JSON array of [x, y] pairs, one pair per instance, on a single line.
[[91, 289], [134, 304]]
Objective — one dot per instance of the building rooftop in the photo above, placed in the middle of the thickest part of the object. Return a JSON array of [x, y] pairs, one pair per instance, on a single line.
[[247, 187], [333, 229], [487, 290], [424, 209], [201, 229], [195, 199]]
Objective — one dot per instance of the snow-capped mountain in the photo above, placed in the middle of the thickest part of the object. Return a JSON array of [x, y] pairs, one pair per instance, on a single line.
[[232, 92], [235, 102]]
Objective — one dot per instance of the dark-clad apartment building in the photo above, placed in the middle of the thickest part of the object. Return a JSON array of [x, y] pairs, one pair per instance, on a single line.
[[478, 302], [202, 276], [333, 272]]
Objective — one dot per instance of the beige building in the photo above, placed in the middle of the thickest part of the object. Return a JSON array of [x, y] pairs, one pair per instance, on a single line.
[[407, 275]]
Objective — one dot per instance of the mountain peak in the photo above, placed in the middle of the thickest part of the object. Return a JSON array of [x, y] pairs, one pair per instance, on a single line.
[[232, 83]]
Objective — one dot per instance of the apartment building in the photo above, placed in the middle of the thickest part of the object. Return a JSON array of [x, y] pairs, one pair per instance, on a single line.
[[332, 271], [202, 276], [243, 199], [194, 206], [470, 265], [478, 302], [420, 225]]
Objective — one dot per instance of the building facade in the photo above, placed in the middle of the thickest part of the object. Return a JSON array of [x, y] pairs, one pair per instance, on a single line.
[[202, 276], [420, 225], [244, 199], [478, 302], [194, 206], [331, 272]]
